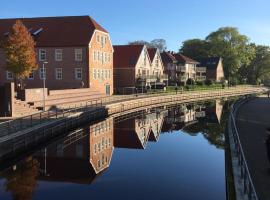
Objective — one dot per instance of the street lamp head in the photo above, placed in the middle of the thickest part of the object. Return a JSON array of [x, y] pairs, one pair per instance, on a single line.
[[45, 62]]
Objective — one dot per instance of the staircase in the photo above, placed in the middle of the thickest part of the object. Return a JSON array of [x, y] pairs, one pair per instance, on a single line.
[[67, 98], [22, 108]]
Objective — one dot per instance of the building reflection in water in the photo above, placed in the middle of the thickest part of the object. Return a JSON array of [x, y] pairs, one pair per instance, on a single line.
[[134, 133], [80, 156], [83, 155]]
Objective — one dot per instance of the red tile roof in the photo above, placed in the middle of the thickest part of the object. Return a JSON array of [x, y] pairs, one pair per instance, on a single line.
[[126, 55], [184, 59], [152, 52], [57, 31], [167, 57]]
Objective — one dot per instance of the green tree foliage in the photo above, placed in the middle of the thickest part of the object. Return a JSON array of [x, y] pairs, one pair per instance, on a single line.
[[195, 48], [259, 68], [20, 53], [233, 47], [227, 43]]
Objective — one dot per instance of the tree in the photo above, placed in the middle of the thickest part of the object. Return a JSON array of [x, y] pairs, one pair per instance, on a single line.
[[159, 44], [156, 43], [20, 53], [195, 48], [259, 67], [233, 47]]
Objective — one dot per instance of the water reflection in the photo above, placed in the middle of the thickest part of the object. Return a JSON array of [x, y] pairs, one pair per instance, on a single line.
[[79, 157], [85, 154]]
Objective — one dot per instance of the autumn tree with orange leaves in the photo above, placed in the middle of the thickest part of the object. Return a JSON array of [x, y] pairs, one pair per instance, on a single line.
[[20, 52]]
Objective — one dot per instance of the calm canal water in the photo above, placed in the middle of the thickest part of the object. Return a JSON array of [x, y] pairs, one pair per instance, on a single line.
[[172, 152]]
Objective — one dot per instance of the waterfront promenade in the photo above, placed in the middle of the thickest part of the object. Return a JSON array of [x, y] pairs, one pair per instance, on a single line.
[[252, 119], [23, 132]]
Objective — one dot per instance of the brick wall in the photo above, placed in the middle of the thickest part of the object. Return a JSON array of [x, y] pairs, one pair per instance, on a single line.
[[97, 65], [68, 65]]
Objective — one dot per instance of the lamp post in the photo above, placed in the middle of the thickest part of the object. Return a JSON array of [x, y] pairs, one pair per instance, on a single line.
[[44, 84]]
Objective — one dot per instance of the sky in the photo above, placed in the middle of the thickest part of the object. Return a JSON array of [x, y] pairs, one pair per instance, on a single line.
[[172, 20]]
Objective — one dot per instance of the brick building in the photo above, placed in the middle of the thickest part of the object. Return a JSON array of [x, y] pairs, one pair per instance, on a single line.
[[131, 67], [214, 68], [78, 51]]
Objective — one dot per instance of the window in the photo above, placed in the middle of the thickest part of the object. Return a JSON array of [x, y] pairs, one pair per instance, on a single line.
[[98, 38], [102, 74], [78, 54], [95, 149], [58, 73], [109, 74], [95, 55], [78, 73], [9, 75], [58, 54], [42, 73], [105, 40], [106, 73], [31, 76], [98, 74], [42, 55], [102, 57], [95, 74], [98, 56]]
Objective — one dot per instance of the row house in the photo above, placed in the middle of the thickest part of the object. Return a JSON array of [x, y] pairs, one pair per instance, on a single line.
[[157, 67], [179, 68], [211, 68], [135, 68], [76, 51], [185, 68]]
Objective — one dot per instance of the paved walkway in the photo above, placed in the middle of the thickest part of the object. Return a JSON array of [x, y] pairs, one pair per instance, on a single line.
[[252, 120]]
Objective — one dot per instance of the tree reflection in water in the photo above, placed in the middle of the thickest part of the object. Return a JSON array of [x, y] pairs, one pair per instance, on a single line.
[[21, 179], [90, 149]]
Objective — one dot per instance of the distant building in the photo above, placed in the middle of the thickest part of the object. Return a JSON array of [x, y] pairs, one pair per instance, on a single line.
[[157, 67], [131, 67], [214, 68], [185, 68], [180, 68], [169, 63], [78, 51]]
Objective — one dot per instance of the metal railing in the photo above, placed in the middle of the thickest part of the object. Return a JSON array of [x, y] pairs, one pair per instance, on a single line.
[[19, 124], [248, 185]]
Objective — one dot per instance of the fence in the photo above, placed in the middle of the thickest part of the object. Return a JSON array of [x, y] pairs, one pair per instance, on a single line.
[[22, 123], [248, 186]]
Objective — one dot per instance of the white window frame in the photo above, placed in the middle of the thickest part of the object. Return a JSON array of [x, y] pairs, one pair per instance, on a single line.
[[78, 55], [41, 53], [42, 74], [9, 75], [58, 54], [94, 73], [95, 56], [77, 72], [59, 71]]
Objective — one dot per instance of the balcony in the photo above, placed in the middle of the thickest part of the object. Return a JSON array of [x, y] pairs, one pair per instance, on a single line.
[[181, 69], [200, 78], [152, 78], [201, 69]]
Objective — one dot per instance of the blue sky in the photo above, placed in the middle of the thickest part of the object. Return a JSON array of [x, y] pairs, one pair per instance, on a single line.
[[173, 20]]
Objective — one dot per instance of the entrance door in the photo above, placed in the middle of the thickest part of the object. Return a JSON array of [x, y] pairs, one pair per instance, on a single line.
[[108, 89]]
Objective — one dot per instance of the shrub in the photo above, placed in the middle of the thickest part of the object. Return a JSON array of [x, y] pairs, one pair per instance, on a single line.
[[190, 81], [201, 83], [208, 82]]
